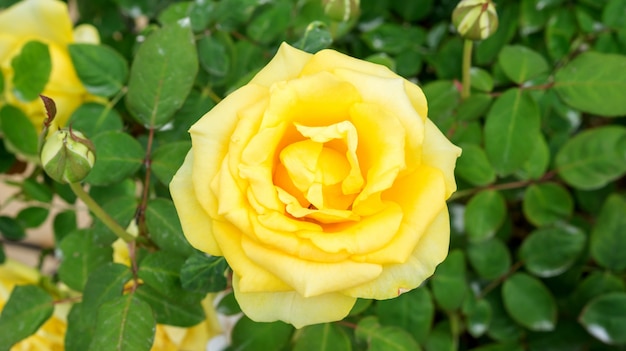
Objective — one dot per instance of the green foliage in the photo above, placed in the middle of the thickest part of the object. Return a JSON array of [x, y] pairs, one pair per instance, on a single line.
[[538, 226]]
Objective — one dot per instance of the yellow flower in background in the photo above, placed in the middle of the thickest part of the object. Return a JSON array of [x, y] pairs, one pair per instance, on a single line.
[[321, 181], [172, 338], [46, 21], [51, 334]]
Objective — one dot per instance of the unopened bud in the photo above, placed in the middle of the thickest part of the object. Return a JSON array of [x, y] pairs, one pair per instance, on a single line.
[[342, 10], [67, 156], [475, 19]]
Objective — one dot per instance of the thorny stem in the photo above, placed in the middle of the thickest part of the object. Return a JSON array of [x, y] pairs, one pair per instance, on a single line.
[[100, 213], [467, 65]]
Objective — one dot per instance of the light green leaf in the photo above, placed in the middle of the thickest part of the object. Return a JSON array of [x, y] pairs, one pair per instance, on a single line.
[[315, 38], [19, 133], [323, 337], [520, 63], [549, 252], [529, 302], [608, 239], [594, 82], [92, 119], [381, 338], [489, 258], [484, 215], [474, 167], [547, 203], [31, 70], [124, 324], [413, 311], [162, 74], [101, 69], [593, 158], [118, 155], [251, 336]]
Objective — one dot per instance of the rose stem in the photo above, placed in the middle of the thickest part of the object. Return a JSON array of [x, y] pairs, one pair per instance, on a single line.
[[100, 213], [467, 65]]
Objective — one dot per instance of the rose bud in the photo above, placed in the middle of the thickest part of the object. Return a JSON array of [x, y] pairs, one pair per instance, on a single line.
[[67, 156], [475, 19], [341, 10]]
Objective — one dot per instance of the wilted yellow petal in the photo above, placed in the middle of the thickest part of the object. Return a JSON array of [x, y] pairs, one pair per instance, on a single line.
[[291, 307]]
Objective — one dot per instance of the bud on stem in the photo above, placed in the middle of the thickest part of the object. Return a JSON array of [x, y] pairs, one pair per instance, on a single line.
[[341, 10], [475, 19], [67, 156]]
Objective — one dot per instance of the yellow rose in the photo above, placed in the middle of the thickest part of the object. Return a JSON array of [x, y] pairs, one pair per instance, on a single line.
[[171, 338], [320, 181], [51, 334], [46, 21]]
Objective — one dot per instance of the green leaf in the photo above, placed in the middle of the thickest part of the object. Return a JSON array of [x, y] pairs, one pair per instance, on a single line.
[[124, 323], [251, 336], [549, 252], [593, 82], [449, 284], [315, 38], [520, 63], [11, 229], [204, 274], [512, 123], [490, 258], [505, 346], [32, 217], [323, 337], [31, 70], [477, 316], [80, 256], [27, 308], [3, 256], [380, 338], [474, 167], [271, 23], [608, 239], [172, 310], [481, 80], [474, 107], [392, 38], [228, 305], [93, 118], [78, 335], [19, 133], [162, 74], [122, 209], [161, 271], [101, 69], [64, 223], [484, 215], [37, 191], [593, 158], [413, 311], [214, 56], [595, 284], [164, 227], [508, 19], [443, 98], [118, 155], [104, 284], [529, 302], [613, 14], [538, 160], [547, 203], [502, 327], [168, 158], [605, 318], [559, 33]]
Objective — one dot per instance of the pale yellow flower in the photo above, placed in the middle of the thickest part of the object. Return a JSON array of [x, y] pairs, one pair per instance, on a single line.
[[46, 21], [321, 181]]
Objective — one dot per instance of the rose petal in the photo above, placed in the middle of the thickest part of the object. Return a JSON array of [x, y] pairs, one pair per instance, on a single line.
[[291, 307], [286, 64], [38, 19], [430, 251], [440, 153], [310, 278], [196, 223], [421, 197]]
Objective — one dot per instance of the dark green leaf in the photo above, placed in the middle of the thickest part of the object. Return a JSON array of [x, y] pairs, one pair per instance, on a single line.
[[101, 69], [593, 158], [538, 160], [484, 214], [162, 74], [323, 337], [124, 324], [613, 14], [551, 251], [11, 229], [449, 284], [37, 191], [161, 271], [63, 224], [172, 310], [477, 316], [529, 302], [489, 258], [78, 335], [204, 274], [251, 336], [93, 118], [164, 227], [413, 311], [228, 305], [593, 82], [511, 123], [474, 107], [31, 70], [502, 327], [559, 32], [594, 285], [547, 203], [214, 56], [520, 63], [118, 155], [443, 97], [32, 217], [315, 38], [271, 23], [122, 210], [27, 308], [80, 256], [19, 133], [605, 318], [608, 239], [474, 167], [380, 338], [168, 158], [104, 284], [393, 38]]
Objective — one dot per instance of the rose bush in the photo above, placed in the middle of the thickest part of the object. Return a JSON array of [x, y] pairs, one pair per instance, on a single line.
[[320, 181], [48, 22], [51, 334]]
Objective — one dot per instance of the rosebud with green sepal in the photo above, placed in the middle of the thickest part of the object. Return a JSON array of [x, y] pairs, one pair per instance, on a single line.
[[341, 10], [67, 156], [475, 19]]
